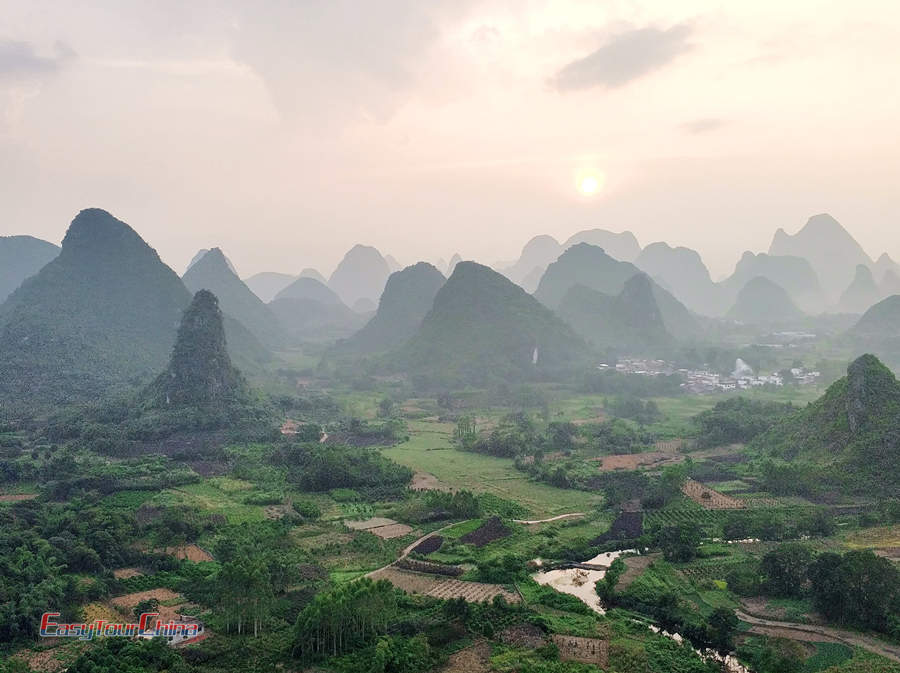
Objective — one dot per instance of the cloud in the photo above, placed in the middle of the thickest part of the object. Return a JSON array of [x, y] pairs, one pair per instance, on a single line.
[[624, 58], [704, 125], [20, 61]]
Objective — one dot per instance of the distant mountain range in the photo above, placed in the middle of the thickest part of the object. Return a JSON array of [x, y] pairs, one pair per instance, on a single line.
[[361, 274], [591, 267], [762, 302], [483, 328], [311, 311], [407, 298], [630, 322], [213, 272], [21, 257], [103, 313]]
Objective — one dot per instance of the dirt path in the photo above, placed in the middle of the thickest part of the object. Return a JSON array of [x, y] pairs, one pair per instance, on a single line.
[[805, 631], [574, 515]]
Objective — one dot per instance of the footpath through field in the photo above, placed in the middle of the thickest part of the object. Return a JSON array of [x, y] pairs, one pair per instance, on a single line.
[[793, 631]]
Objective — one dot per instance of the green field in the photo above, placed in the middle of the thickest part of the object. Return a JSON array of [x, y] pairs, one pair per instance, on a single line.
[[429, 450]]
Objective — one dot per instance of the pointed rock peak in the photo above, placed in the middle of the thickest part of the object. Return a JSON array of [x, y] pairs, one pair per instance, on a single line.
[[200, 373], [885, 259], [95, 230]]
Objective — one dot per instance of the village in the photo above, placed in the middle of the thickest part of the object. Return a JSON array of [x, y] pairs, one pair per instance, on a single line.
[[705, 381]]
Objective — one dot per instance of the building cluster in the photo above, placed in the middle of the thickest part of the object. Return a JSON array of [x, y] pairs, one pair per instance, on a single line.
[[705, 382]]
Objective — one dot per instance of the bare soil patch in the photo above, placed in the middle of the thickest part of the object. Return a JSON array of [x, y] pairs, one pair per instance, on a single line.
[[474, 659], [191, 552], [125, 604], [471, 592], [56, 658], [392, 531], [708, 498], [633, 461], [374, 522], [583, 650], [523, 635], [423, 481], [490, 530], [125, 573], [410, 582], [635, 565], [17, 497]]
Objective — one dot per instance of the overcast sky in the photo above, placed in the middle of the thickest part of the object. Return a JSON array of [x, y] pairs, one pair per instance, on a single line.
[[286, 131]]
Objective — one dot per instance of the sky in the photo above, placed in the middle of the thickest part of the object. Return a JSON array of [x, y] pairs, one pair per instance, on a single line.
[[285, 131]]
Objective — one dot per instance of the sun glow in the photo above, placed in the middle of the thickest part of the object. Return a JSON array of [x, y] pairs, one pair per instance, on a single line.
[[590, 183]]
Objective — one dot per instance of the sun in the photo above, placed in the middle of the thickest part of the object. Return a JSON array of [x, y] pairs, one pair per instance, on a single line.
[[590, 183]]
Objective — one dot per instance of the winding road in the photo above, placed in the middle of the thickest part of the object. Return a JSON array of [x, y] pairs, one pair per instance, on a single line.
[[805, 631]]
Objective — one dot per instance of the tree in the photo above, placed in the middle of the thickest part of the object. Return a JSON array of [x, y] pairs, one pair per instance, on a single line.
[[785, 570], [679, 543], [721, 629]]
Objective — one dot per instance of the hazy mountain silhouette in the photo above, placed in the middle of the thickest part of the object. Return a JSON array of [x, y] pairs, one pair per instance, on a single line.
[[456, 259], [104, 311], [200, 373], [630, 322], [862, 293], [542, 250], [762, 302], [267, 284], [483, 327], [212, 272], [536, 255], [392, 263], [407, 298], [21, 257], [878, 331], [590, 266], [794, 274], [306, 287], [361, 274], [832, 251], [884, 264], [310, 310], [622, 246], [201, 253], [682, 272]]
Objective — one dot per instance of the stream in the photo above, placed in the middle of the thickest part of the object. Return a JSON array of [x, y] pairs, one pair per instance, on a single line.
[[580, 583]]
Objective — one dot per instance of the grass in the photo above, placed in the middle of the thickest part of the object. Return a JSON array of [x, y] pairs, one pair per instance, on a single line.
[[207, 497], [881, 537], [429, 450]]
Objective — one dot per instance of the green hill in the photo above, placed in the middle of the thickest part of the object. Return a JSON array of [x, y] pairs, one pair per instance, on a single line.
[[590, 266], [212, 272], [307, 287], [484, 327], [104, 311], [762, 302], [200, 374], [407, 298], [853, 431], [630, 322], [21, 257]]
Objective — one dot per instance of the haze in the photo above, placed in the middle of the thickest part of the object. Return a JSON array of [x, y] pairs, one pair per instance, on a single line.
[[285, 132]]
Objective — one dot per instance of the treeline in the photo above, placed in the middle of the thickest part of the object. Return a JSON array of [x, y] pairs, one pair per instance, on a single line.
[[323, 467], [738, 420], [858, 588]]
